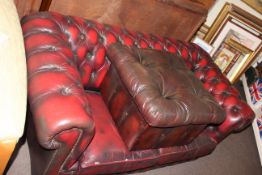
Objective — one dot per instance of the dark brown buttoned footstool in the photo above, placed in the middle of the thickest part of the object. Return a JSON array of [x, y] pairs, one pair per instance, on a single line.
[[155, 100]]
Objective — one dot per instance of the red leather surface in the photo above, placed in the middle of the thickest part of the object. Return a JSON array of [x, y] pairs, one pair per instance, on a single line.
[[66, 54], [107, 144], [108, 154]]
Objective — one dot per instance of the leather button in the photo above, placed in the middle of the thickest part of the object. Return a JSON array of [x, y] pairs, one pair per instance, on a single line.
[[66, 91], [53, 48], [235, 109], [225, 94], [89, 55], [168, 97], [101, 39], [214, 80], [82, 36], [69, 21]]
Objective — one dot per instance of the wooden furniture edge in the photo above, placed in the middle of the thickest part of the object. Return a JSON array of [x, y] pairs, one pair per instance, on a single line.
[[7, 147]]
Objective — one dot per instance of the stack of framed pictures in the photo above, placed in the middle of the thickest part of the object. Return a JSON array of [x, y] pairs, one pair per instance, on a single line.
[[235, 37]]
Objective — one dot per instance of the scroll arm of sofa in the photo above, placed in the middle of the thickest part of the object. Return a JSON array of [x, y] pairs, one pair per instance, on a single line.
[[238, 113], [61, 113], [60, 110], [238, 116]]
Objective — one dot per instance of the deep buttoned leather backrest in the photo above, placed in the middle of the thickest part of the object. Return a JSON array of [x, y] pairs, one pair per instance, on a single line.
[[89, 40]]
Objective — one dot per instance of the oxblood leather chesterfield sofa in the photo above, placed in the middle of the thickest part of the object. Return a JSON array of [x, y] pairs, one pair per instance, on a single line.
[[90, 117]]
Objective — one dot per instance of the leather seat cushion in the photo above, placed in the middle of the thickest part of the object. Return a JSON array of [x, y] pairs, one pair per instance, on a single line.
[[155, 100], [164, 90]]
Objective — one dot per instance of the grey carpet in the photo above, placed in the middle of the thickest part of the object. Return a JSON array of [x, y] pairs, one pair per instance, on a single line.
[[236, 155]]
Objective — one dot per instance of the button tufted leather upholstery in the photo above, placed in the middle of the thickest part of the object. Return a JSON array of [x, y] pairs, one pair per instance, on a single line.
[[161, 95], [66, 56]]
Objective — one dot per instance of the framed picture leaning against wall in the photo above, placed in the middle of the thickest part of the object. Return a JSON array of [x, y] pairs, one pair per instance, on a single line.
[[235, 37]]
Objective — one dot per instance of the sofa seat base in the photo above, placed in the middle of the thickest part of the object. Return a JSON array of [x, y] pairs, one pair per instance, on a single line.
[[107, 153]]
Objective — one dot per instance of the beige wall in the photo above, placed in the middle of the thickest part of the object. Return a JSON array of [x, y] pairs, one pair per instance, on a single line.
[[13, 84]]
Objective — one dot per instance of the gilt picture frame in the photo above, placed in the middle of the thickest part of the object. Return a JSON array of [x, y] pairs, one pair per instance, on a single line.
[[235, 34], [255, 4], [225, 56]]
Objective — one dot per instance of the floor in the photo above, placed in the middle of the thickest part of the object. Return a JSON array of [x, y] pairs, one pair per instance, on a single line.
[[236, 155]]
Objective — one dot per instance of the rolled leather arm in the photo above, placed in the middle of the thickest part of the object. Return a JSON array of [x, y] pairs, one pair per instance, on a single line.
[[238, 113], [60, 110]]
